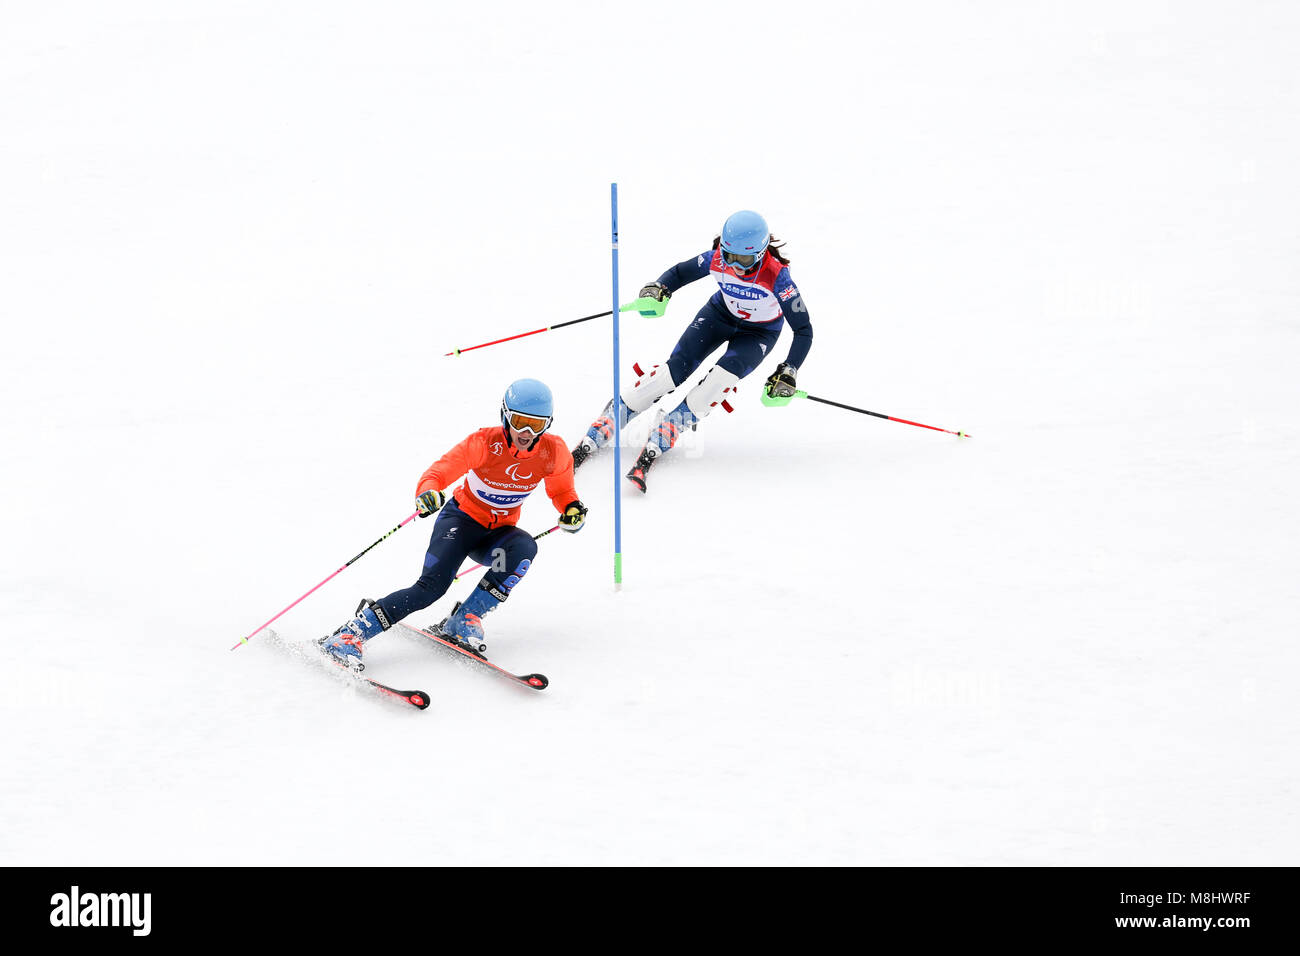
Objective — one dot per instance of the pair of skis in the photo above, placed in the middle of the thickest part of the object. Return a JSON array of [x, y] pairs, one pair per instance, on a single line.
[[418, 698]]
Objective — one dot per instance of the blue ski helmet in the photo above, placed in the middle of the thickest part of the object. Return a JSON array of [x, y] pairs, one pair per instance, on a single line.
[[527, 406], [744, 240]]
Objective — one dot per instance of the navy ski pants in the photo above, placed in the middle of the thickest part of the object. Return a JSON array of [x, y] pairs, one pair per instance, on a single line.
[[747, 344], [507, 553]]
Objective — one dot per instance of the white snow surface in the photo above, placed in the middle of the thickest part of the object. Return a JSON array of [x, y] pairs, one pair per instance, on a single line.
[[236, 240]]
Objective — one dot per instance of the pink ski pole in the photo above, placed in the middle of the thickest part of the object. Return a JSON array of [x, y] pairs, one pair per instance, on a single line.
[[326, 581]]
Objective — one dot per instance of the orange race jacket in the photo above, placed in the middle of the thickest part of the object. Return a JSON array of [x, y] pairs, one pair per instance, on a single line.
[[498, 476]]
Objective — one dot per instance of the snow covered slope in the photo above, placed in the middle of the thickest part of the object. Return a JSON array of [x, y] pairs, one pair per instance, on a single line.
[[235, 247]]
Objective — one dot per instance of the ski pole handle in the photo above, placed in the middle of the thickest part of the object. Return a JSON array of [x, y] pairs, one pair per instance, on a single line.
[[477, 566], [244, 640]]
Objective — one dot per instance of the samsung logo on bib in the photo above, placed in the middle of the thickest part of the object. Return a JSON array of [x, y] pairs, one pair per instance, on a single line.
[[506, 500], [102, 909], [742, 291]]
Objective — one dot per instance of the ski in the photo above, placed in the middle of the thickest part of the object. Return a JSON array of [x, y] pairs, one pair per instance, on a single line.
[[535, 681], [416, 698]]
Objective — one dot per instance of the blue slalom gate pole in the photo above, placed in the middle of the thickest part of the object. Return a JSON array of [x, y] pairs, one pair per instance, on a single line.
[[618, 416]]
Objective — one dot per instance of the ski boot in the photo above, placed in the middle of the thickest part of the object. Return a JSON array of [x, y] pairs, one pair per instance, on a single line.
[[598, 435], [344, 645], [464, 626], [643, 463], [661, 440], [582, 451], [601, 432]]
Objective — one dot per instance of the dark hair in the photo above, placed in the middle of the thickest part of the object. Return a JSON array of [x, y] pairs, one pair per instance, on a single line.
[[773, 246]]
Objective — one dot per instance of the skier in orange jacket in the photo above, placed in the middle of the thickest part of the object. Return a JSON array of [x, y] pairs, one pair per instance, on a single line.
[[502, 466], [500, 474]]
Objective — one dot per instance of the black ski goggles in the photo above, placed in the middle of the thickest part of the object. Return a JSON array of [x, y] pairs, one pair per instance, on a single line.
[[741, 263]]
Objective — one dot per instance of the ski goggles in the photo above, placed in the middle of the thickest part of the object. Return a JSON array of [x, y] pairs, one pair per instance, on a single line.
[[527, 423], [741, 263]]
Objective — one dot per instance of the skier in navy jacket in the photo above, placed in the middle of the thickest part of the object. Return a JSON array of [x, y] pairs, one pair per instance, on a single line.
[[755, 297]]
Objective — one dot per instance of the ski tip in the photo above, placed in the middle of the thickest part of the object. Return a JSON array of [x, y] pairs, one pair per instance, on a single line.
[[419, 699], [537, 680]]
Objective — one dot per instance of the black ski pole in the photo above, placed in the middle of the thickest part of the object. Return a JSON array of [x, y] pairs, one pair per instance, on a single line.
[[773, 402]]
